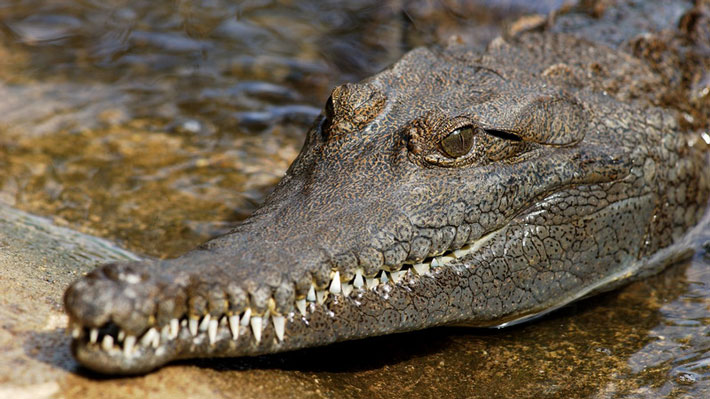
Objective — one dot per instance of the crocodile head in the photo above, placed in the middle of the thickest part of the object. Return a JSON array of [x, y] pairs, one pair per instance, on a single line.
[[451, 188]]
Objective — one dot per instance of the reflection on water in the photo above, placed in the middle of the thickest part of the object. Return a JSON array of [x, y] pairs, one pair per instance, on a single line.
[[161, 123]]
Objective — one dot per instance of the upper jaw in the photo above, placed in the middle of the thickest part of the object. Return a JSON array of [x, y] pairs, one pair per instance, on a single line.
[[132, 317], [313, 320]]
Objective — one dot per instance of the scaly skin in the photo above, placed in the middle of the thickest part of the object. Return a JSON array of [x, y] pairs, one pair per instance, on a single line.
[[567, 190]]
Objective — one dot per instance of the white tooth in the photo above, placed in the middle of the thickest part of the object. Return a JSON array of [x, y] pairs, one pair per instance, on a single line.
[[234, 326], [212, 331], [121, 336], [76, 331], [396, 276], [421, 268], [256, 328], [93, 335], [223, 321], [371, 283], [321, 296], [183, 323], [174, 328], [435, 262], [147, 338], [335, 284], [245, 318], [347, 289], [358, 282], [156, 340], [447, 259], [128, 344], [279, 326], [107, 342], [383, 277], [192, 325], [311, 296], [301, 305], [165, 332], [205, 323]]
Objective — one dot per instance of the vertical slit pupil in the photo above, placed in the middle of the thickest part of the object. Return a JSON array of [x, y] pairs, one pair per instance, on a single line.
[[458, 143]]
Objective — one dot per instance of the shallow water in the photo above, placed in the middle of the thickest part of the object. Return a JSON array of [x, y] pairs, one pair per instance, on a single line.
[[158, 124]]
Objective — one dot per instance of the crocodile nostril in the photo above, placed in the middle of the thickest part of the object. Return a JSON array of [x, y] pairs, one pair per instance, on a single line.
[[123, 273]]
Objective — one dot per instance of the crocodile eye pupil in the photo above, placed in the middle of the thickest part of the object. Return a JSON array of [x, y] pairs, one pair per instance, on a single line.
[[458, 143]]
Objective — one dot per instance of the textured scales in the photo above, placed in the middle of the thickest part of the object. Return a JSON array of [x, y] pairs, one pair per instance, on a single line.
[[569, 188]]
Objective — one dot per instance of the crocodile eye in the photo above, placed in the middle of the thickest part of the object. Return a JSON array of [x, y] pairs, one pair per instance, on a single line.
[[458, 143]]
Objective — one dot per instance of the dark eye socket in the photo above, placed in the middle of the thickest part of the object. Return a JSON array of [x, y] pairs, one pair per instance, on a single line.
[[458, 143], [328, 120]]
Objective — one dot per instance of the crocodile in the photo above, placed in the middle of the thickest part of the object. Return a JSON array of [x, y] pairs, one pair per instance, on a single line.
[[455, 187]]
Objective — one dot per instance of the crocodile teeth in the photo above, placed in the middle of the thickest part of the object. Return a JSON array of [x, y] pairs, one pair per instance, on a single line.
[[301, 305], [421, 268], [347, 289], [205, 323], [256, 327], [335, 284], [156, 340], [234, 326], [147, 338], [212, 330], [75, 329], [311, 296], [371, 283], [76, 332], [245, 318], [321, 296], [396, 276], [383, 277], [192, 325], [435, 262], [93, 335], [165, 332], [358, 282], [107, 342], [279, 326], [128, 344], [174, 328], [121, 336]]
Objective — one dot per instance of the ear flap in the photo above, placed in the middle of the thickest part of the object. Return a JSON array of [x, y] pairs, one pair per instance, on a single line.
[[552, 120]]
